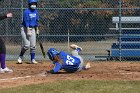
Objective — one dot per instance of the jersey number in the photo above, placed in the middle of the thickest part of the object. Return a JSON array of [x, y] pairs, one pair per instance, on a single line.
[[69, 60]]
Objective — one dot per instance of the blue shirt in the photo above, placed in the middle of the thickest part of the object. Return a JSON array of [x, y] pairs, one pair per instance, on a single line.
[[30, 18], [69, 63]]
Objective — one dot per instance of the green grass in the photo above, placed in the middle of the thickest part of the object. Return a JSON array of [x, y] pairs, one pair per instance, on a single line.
[[86, 86]]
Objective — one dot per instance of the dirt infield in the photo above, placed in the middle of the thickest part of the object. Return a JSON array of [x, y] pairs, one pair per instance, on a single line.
[[25, 74]]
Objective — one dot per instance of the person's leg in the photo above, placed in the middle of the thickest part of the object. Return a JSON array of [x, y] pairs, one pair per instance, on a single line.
[[33, 46], [25, 44], [81, 66], [2, 53], [75, 52], [3, 58]]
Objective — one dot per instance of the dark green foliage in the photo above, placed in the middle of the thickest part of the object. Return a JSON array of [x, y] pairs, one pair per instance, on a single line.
[[81, 18]]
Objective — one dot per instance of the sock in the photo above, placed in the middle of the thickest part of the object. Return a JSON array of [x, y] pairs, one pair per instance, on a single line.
[[22, 52], [32, 56], [32, 53], [2, 60]]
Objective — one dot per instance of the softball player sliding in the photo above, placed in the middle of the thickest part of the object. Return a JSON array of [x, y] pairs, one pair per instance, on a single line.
[[3, 49], [29, 31], [63, 60]]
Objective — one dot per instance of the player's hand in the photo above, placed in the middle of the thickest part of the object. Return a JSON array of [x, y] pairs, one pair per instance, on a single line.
[[9, 15], [51, 66]]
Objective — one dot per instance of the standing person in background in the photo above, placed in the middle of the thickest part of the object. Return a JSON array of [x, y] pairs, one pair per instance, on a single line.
[[3, 48], [29, 31]]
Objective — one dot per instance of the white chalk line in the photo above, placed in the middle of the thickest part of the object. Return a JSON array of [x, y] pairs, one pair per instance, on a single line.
[[16, 78], [126, 73], [42, 75]]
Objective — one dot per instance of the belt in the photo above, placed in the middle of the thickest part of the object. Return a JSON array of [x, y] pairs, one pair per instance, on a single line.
[[31, 26]]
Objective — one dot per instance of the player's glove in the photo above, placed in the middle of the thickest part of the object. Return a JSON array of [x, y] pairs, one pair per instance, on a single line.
[[29, 31], [51, 71]]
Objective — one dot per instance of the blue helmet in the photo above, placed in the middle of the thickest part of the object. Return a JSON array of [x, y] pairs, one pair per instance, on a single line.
[[52, 52], [31, 1]]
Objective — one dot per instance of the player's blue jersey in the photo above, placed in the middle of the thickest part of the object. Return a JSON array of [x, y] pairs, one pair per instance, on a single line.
[[30, 18], [69, 63]]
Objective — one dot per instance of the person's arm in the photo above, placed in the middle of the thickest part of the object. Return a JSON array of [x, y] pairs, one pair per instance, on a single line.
[[37, 19], [56, 68], [26, 18], [6, 16]]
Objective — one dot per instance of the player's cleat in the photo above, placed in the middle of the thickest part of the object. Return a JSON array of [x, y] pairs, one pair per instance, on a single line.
[[6, 70], [88, 66], [19, 60], [73, 46], [34, 62]]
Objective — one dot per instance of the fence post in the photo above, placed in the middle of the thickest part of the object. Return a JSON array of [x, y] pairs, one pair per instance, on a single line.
[[21, 10], [120, 29], [68, 40]]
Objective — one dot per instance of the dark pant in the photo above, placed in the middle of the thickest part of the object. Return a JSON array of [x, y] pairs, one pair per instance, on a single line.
[[71, 68], [2, 47]]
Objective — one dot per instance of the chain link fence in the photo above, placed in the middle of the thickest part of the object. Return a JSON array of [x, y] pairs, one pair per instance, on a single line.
[[86, 23]]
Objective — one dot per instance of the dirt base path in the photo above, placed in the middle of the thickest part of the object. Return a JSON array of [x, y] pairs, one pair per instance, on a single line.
[[25, 74]]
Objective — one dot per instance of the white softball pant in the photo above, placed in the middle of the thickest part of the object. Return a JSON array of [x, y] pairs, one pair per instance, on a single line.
[[75, 53], [28, 41]]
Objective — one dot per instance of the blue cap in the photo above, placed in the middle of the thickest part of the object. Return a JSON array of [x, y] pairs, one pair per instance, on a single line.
[[31, 1], [52, 52]]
